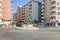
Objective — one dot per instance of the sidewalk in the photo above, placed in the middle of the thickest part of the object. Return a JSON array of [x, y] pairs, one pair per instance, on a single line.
[[27, 28], [38, 29]]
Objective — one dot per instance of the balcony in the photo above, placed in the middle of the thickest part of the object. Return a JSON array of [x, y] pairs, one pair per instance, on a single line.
[[42, 14], [0, 0], [30, 4], [0, 4], [42, 17], [0, 9], [42, 20], [42, 10], [52, 11], [53, 2], [42, 3], [42, 6], [53, 15], [53, 7], [0, 14], [53, 18]]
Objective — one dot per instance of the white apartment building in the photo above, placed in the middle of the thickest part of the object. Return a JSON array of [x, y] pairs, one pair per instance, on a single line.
[[52, 12], [32, 11]]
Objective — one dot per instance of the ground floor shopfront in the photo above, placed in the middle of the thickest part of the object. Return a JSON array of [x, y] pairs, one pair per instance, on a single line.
[[52, 24]]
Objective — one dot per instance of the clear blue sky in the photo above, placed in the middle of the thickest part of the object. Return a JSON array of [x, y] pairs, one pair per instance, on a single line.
[[16, 3]]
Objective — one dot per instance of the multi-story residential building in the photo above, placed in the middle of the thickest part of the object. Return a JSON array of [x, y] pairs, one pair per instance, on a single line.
[[23, 15], [41, 10], [5, 10], [32, 11], [19, 15], [52, 12]]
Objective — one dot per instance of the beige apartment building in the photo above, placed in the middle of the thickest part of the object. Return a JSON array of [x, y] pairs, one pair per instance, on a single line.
[[52, 12]]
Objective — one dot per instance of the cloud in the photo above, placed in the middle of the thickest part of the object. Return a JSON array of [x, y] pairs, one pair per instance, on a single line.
[[20, 6]]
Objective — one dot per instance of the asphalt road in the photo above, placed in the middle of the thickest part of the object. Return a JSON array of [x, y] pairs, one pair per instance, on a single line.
[[28, 35]]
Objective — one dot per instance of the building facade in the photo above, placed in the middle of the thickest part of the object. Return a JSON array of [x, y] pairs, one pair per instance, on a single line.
[[5, 10], [19, 15], [52, 12], [32, 11]]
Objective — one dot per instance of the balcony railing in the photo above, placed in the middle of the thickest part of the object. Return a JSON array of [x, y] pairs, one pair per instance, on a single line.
[[42, 10], [53, 20], [42, 17], [53, 11], [52, 2], [53, 7], [42, 14]]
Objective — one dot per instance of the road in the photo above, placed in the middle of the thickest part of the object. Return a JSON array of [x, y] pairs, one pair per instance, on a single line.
[[28, 35]]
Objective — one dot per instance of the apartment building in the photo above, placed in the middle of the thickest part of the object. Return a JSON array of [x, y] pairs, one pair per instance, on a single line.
[[23, 15], [5, 10], [32, 11], [52, 12], [19, 15]]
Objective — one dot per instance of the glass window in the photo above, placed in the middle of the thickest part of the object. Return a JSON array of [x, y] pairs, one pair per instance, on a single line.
[[58, 17], [58, 3], [58, 23], [58, 8], [58, 13]]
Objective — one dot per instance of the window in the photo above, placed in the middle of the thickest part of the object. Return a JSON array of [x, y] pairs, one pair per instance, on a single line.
[[58, 8], [46, 3], [58, 13], [58, 17], [0, 14], [49, 0], [58, 3], [0, 9], [58, 23], [0, 4]]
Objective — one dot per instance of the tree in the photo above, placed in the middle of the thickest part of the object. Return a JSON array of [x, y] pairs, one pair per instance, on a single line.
[[13, 19], [34, 21]]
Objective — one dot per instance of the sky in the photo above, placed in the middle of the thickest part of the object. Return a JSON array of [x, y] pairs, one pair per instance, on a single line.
[[17, 3]]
